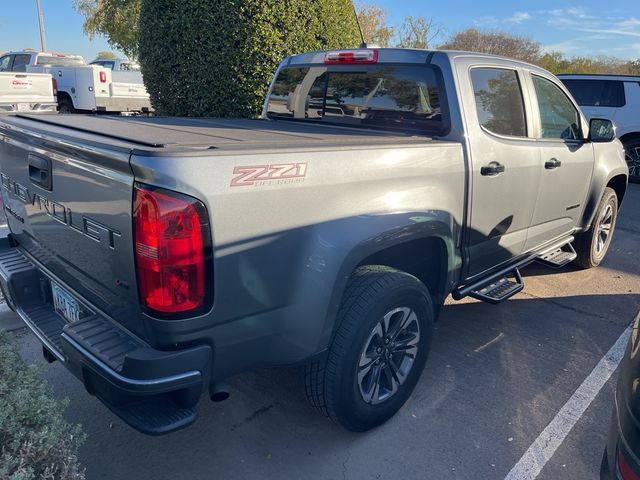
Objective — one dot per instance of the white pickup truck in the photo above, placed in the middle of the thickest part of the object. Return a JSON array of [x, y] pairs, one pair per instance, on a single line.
[[82, 88], [126, 78], [25, 92]]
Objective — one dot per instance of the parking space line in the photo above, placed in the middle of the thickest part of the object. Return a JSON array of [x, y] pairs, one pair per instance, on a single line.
[[542, 449]]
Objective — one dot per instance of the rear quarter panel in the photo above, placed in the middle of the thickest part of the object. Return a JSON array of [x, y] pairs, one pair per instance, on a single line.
[[285, 247]]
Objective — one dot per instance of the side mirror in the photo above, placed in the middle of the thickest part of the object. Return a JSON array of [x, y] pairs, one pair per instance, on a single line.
[[601, 130]]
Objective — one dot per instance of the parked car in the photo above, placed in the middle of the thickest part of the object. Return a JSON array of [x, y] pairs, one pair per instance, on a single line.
[[621, 459], [156, 257], [84, 88], [616, 97], [26, 92]]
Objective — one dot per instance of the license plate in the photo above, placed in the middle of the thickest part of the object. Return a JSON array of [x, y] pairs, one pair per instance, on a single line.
[[24, 107], [65, 305]]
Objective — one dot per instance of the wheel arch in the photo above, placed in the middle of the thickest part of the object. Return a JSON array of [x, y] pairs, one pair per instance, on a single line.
[[619, 185], [630, 136], [66, 98], [424, 258], [436, 239], [64, 95]]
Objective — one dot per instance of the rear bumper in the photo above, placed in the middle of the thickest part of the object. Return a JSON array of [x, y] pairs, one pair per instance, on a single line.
[[153, 391], [22, 107], [123, 104]]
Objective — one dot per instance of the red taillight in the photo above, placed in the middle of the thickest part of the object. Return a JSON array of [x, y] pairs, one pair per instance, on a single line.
[[625, 470], [103, 77], [55, 87], [172, 246], [351, 56]]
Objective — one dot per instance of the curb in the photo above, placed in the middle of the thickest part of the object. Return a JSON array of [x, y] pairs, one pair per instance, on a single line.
[[9, 320]]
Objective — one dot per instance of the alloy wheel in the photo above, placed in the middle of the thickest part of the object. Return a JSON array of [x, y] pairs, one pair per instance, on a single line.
[[604, 229], [388, 355], [632, 155]]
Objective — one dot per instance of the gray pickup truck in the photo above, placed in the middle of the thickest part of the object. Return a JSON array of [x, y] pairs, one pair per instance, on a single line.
[[156, 257]]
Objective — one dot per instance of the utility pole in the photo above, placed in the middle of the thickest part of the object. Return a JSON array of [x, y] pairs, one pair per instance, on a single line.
[[43, 42]]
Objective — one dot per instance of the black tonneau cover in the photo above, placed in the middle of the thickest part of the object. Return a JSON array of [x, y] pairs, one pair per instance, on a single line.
[[179, 133]]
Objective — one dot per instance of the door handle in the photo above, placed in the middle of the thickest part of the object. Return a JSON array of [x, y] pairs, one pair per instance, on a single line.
[[491, 170], [552, 164], [40, 171]]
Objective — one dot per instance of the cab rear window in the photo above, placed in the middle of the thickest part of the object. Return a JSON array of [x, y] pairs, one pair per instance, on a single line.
[[405, 98]]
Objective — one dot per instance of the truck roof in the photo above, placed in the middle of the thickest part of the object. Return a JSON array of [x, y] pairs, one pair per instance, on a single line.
[[598, 76], [400, 55], [155, 135]]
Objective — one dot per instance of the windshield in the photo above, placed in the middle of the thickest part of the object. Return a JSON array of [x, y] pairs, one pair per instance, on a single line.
[[403, 98], [59, 61]]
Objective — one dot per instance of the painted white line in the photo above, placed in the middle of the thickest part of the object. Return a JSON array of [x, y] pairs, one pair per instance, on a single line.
[[542, 449]]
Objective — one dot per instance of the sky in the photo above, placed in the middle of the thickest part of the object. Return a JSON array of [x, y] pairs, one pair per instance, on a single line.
[[582, 28]]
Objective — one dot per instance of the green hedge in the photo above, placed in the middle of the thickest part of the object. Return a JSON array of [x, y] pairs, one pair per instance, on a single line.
[[216, 58], [35, 440]]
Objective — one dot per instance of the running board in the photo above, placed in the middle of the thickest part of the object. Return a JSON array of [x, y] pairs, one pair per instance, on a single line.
[[499, 290], [558, 257], [498, 287]]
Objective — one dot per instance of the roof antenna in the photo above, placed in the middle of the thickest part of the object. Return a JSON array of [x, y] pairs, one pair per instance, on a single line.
[[355, 12]]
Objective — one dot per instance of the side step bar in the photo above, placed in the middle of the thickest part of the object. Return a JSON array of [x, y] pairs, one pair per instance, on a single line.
[[558, 257], [498, 287], [500, 290]]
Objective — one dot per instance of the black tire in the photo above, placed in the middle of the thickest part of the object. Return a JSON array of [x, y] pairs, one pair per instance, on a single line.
[[632, 156], [65, 105], [374, 293], [590, 246]]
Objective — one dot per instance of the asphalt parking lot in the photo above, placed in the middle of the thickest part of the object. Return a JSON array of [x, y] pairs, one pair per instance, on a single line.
[[496, 377]]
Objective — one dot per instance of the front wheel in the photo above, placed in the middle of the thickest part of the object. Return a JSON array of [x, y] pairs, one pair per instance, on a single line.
[[632, 155], [378, 351], [592, 245]]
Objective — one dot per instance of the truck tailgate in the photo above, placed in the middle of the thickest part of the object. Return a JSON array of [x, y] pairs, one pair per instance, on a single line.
[[127, 84], [68, 205], [25, 88]]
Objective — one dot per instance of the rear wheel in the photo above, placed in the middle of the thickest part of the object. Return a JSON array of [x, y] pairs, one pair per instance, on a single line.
[[632, 155], [378, 351], [592, 245], [65, 105]]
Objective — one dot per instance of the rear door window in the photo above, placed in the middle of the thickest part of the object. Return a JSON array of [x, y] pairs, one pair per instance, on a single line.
[[20, 63], [405, 98], [597, 93], [499, 101], [559, 118]]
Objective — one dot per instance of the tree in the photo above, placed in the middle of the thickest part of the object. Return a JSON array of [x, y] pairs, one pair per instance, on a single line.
[[634, 67], [555, 62], [496, 43], [417, 32], [216, 58], [373, 21], [106, 55], [116, 20]]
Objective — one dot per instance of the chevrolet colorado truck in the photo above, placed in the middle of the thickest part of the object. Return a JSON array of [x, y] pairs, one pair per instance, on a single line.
[[157, 257]]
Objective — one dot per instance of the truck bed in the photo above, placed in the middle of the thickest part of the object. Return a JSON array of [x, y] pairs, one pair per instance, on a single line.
[[153, 135]]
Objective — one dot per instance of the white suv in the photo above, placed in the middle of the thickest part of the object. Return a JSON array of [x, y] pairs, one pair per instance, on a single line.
[[616, 97]]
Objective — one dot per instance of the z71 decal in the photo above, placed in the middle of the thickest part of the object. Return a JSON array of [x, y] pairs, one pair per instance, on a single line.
[[257, 175]]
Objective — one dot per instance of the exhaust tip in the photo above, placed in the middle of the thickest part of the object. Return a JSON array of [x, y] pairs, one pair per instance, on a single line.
[[219, 392]]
